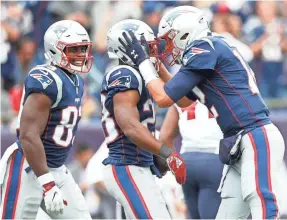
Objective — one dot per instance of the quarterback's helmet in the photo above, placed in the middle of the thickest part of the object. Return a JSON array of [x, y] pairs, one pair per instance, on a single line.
[[68, 45], [179, 27], [139, 28]]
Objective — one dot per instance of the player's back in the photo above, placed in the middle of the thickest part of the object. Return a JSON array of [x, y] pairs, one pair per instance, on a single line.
[[121, 150], [229, 87], [65, 91], [198, 129]]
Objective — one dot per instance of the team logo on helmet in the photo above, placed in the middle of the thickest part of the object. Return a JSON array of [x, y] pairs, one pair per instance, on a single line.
[[60, 30]]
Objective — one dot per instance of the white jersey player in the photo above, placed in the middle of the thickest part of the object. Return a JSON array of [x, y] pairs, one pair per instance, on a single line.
[[32, 169], [199, 148]]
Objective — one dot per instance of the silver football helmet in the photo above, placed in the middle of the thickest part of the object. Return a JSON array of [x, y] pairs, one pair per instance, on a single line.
[[179, 27], [68, 45], [139, 28]]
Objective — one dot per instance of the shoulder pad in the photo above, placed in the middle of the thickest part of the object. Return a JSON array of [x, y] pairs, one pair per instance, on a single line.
[[124, 75]]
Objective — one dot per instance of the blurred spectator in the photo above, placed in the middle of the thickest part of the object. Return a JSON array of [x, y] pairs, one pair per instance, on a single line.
[[104, 15], [153, 12], [89, 109], [79, 11], [15, 22], [229, 26], [101, 204], [267, 39], [6, 113], [25, 53], [77, 167]]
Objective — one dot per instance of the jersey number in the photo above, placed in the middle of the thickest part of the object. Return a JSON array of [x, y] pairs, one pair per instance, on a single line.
[[250, 74], [201, 96], [149, 107], [63, 134], [109, 123]]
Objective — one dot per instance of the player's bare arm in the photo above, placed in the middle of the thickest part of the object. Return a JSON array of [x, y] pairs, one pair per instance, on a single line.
[[127, 117], [163, 73], [169, 129], [32, 125]]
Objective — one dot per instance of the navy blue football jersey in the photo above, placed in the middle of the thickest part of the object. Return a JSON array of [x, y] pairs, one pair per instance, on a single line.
[[121, 150], [221, 79], [66, 93]]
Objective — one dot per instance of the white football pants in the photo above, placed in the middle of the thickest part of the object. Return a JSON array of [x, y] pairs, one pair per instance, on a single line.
[[257, 183], [135, 189], [22, 194]]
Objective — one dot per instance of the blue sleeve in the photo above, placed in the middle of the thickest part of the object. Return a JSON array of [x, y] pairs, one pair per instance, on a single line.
[[201, 55], [41, 82], [120, 80], [182, 83]]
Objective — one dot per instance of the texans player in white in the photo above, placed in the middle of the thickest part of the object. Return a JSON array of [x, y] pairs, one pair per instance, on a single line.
[[214, 72], [199, 149], [128, 122], [32, 169]]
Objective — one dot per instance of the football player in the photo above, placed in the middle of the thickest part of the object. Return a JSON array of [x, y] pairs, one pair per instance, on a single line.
[[215, 73], [128, 122], [199, 149], [32, 169]]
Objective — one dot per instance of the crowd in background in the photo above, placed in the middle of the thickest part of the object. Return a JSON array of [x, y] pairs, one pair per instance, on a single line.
[[260, 27]]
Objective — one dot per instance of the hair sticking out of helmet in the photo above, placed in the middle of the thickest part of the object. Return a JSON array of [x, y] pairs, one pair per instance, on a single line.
[[178, 28], [68, 45], [140, 29]]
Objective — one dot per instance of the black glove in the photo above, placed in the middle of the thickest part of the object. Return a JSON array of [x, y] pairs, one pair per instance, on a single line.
[[160, 164], [133, 49]]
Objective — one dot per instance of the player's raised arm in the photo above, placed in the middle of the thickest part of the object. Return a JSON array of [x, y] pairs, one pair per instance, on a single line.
[[34, 119]]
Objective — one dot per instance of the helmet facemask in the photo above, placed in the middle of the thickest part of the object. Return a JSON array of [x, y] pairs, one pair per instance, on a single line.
[[153, 53], [76, 56], [171, 54]]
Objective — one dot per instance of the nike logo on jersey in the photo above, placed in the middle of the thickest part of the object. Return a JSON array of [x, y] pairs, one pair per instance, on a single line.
[[43, 79], [117, 73]]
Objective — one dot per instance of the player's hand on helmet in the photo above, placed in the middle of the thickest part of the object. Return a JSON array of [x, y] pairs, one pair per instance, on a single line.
[[135, 50], [175, 163], [53, 198]]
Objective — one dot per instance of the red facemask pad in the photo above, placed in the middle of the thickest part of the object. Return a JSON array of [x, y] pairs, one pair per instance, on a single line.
[[153, 51], [170, 53], [76, 56]]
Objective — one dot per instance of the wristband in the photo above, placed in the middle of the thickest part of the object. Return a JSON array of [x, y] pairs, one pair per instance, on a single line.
[[148, 71], [165, 151], [45, 178]]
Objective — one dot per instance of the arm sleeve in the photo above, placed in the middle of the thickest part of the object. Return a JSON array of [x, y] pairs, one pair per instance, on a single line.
[[40, 82], [121, 80], [182, 83]]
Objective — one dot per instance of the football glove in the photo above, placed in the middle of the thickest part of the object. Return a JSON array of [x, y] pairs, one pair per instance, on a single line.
[[136, 51], [160, 164], [174, 162], [53, 199]]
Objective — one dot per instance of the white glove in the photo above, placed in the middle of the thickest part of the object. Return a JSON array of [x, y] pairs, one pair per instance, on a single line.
[[53, 199]]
